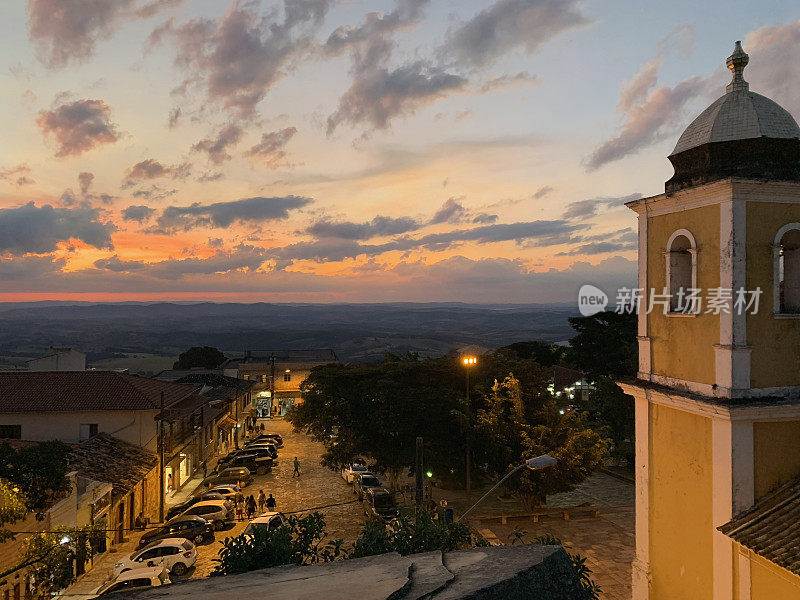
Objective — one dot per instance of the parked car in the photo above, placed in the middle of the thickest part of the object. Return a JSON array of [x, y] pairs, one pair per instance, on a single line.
[[190, 527], [176, 555], [269, 437], [258, 463], [218, 512], [272, 448], [179, 508], [265, 521], [135, 579], [363, 481], [379, 505], [232, 475], [226, 490], [349, 472]]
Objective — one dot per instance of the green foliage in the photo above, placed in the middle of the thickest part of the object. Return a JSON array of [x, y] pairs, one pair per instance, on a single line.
[[516, 536], [605, 345], [52, 555], [297, 542], [544, 353], [39, 471], [589, 589], [12, 508], [412, 534], [614, 408], [204, 357]]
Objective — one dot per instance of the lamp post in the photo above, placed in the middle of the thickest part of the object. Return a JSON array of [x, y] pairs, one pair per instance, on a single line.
[[534, 464], [468, 362]]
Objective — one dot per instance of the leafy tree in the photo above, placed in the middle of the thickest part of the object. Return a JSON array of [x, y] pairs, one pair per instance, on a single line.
[[204, 357], [544, 353], [296, 542], [605, 345], [51, 556], [12, 508], [614, 408], [40, 471], [516, 430]]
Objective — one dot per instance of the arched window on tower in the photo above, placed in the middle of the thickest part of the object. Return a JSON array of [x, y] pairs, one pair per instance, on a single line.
[[786, 289], [681, 271]]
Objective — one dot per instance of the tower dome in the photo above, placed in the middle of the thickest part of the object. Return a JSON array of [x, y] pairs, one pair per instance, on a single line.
[[742, 134]]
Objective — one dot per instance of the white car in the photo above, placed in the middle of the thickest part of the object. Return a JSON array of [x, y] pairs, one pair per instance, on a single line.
[[217, 512], [135, 579], [176, 555], [350, 471], [265, 521]]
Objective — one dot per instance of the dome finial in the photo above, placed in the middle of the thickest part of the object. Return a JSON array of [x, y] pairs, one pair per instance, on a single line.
[[736, 63]]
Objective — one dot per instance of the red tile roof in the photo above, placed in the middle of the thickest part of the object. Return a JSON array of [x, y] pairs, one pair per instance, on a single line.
[[67, 391]]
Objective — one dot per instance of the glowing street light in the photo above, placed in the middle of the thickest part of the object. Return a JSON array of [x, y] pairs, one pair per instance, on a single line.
[[469, 362]]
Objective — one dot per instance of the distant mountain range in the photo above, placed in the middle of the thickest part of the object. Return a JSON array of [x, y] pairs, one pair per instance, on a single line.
[[354, 331]]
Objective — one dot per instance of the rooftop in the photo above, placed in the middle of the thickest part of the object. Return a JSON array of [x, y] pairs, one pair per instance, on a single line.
[[106, 458], [771, 528], [67, 391]]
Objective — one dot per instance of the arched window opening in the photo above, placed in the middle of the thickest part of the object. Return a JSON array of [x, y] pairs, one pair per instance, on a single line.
[[681, 273], [788, 271]]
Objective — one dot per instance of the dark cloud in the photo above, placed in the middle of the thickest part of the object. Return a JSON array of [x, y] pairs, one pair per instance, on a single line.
[[379, 226], [85, 180], [452, 211], [174, 117], [535, 233], [217, 147], [584, 209], [138, 212], [210, 176], [521, 79], [379, 93], [154, 193], [25, 268], [240, 56], [65, 31], [153, 169], [78, 126], [542, 192], [484, 218], [38, 230], [270, 150], [511, 24], [223, 214], [18, 175], [244, 257]]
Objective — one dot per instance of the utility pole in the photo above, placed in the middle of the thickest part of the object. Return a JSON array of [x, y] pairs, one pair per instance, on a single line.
[[161, 462], [272, 403], [469, 475], [418, 473]]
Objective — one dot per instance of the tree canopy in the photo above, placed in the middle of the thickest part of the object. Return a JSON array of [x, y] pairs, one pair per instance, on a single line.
[[204, 357], [40, 471], [377, 410]]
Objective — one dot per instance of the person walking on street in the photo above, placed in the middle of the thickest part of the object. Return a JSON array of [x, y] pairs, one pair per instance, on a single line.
[[251, 506], [262, 501], [271, 503], [296, 468], [240, 511]]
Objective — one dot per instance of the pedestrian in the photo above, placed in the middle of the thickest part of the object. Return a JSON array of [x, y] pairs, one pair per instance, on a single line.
[[271, 503], [251, 507], [261, 430], [169, 483], [262, 501], [240, 511], [239, 498], [205, 469], [296, 468]]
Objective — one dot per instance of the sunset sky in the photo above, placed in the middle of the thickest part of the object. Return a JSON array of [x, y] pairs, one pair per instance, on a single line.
[[352, 151]]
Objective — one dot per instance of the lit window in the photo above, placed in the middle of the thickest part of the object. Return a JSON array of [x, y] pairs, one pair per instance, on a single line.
[[787, 269], [287, 376], [681, 270]]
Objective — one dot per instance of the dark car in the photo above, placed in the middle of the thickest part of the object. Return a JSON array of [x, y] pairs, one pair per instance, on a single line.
[[260, 452], [194, 529], [179, 508], [253, 462], [269, 437], [269, 446], [240, 475], [380, 504], [363, 481]]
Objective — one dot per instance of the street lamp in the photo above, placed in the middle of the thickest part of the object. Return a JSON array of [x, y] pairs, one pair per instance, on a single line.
[[468, 362], [534, 464]]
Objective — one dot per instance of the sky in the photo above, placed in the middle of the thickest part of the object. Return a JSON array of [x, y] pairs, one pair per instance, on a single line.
[[352, 151]]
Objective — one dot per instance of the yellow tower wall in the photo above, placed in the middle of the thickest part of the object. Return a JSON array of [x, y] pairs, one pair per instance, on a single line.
[[682, 347], [775, 456], [681, 531], [774, 359]]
